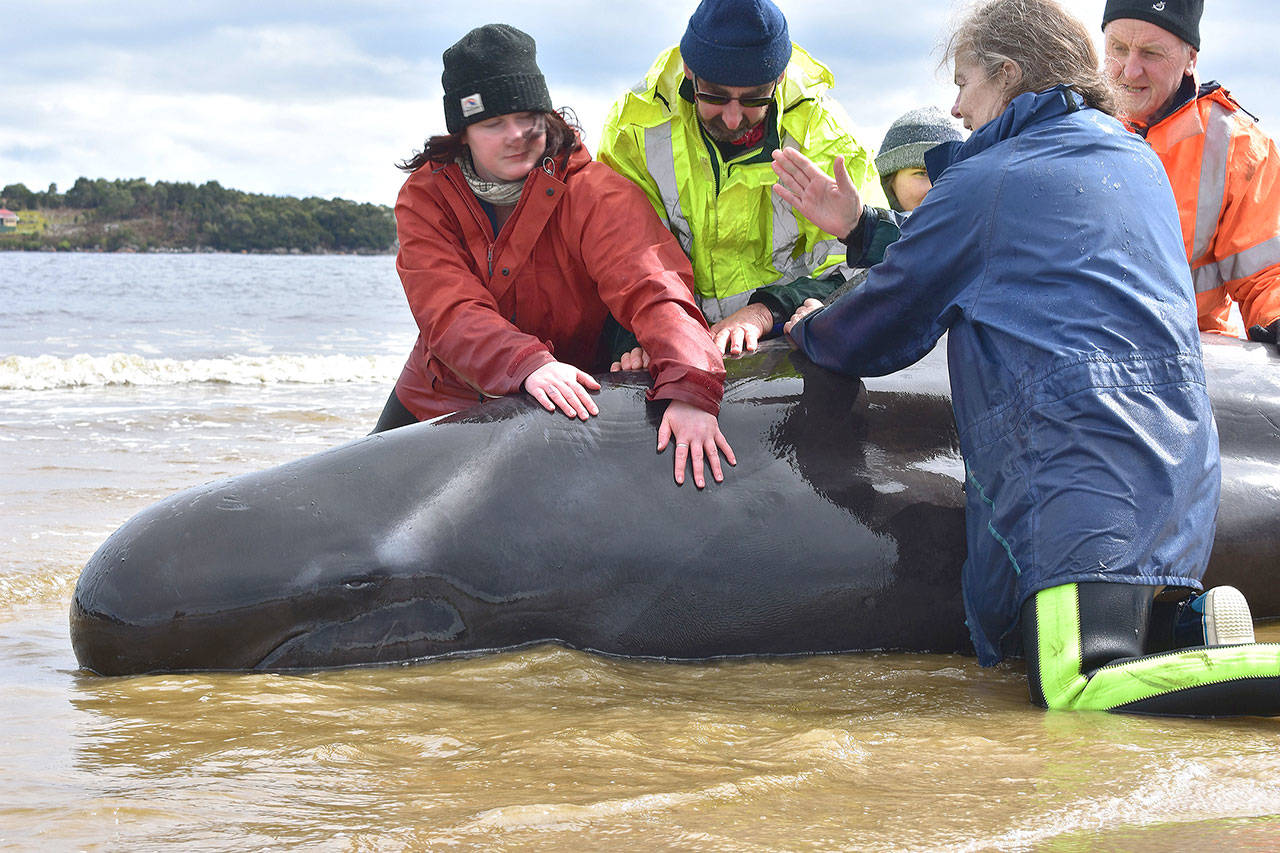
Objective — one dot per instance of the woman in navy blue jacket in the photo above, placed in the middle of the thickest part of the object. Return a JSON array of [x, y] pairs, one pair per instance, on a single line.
[[1049, 249]]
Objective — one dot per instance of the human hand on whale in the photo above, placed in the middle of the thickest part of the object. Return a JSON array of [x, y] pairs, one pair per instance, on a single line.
[[557, 385], [698, 439], [635, 359], [806, 308], [740, 332]]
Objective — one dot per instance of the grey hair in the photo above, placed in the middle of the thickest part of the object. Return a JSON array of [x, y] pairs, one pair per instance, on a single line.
[[1049, 46]]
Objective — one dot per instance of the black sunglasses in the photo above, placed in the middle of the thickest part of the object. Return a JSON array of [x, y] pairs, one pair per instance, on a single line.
[[720, 100]]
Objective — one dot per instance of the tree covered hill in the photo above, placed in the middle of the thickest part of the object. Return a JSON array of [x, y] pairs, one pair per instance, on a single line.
[[134, 215]]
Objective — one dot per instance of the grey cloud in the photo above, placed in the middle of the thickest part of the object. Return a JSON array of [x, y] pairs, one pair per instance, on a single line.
[[268, 57]]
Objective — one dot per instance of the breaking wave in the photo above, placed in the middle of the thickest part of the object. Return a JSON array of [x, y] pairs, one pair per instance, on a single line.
[[45, 372]]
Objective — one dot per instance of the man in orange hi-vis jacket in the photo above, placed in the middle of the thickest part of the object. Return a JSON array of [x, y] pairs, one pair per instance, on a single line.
[[1224, 170]]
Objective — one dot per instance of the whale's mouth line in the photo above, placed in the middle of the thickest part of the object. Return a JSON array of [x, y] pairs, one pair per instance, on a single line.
[[276, 651]]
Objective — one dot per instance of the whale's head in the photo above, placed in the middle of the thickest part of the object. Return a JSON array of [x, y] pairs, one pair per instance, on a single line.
[[347, 618], [277, 571]]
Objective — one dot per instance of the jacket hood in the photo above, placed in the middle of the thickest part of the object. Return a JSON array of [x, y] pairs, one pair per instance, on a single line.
[[1027, 109]]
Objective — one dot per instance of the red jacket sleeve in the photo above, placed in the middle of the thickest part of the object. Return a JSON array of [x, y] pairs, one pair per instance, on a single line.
[[646, 281]]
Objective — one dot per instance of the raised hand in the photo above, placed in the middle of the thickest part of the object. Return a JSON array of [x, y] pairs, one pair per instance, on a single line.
[[833, 204]]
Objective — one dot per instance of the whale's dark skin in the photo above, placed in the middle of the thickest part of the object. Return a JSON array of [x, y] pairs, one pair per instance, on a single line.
[[840, 529]]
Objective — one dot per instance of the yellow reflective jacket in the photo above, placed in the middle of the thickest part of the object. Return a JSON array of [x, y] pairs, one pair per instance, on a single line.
[[737, 233]]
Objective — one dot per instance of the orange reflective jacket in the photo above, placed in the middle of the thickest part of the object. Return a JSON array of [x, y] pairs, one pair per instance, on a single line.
[[1225, 174]]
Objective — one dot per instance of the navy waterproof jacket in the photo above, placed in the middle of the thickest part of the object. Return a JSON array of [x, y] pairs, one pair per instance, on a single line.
[[1049, 248]]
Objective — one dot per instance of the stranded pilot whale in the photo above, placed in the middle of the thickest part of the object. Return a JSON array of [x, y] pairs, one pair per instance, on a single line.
[[840, 529]]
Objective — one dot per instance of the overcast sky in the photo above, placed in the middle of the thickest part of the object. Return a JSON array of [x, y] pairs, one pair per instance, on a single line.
[[311, 97]]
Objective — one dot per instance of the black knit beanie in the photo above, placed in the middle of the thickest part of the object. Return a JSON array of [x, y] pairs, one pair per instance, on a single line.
[[492, 71], [1180, 17]]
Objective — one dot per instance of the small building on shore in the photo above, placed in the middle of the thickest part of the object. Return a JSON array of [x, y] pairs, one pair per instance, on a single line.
[[8, 220]]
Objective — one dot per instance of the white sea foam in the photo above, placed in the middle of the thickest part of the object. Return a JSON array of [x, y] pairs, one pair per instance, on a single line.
[[40, 373]]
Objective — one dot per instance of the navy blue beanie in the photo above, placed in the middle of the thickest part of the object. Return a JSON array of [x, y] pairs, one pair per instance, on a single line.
[[737, 42]]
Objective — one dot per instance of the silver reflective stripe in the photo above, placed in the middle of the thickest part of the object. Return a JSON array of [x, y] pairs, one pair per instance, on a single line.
[[1213, 178], [1240, 265], [786, 230], [659, 157], [786, 236], [716, 310], [821, 251], [1252, 260], [1206, 278]]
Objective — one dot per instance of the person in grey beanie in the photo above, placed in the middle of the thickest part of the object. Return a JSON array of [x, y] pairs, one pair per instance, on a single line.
[[901, 158]]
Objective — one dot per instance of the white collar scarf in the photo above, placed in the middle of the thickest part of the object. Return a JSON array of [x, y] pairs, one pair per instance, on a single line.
[[501, 193]]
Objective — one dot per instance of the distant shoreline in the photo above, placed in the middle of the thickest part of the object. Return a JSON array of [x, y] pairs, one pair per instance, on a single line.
[[136, 216]]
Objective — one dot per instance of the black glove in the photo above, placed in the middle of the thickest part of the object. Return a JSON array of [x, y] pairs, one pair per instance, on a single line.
[[1266, 334]]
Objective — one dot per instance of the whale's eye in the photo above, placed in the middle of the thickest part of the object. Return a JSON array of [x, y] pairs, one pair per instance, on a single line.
[[360, 582]]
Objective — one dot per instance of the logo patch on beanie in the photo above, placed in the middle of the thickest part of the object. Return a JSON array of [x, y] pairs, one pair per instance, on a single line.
[[472, 104], [1159, 7]]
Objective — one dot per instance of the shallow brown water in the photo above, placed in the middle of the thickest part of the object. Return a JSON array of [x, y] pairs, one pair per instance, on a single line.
[[542, 748], [555, 749]]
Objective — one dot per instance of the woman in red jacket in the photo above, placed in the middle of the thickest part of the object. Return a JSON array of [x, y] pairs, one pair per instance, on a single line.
[[514, 249]]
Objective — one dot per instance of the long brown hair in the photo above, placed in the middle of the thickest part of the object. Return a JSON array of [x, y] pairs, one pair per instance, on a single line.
[[1048, 44], [562, 139]]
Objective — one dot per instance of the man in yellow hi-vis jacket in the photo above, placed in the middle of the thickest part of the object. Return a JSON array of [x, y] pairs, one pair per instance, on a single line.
[[698, 134]]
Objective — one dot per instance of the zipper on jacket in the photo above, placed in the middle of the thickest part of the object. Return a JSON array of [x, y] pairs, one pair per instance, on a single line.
[[721, 165], [714, 154], [548, 166], [479, 216]]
